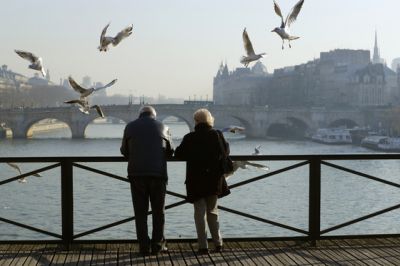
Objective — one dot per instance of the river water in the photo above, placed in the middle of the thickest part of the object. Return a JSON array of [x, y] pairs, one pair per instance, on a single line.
[[99, 200]]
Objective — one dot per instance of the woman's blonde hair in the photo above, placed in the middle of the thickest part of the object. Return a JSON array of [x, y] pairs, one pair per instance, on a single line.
[[203, 116]]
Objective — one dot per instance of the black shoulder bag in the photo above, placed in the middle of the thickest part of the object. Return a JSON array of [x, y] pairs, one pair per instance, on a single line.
[[225, 160]]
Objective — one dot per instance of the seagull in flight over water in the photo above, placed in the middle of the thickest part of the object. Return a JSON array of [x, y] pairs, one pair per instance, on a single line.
[[84, 106], [283, 30], [251, 55], [233, 129], [36, 62], [107, 40], [244, 165], [16, 167], [83, 102], [86, 92]]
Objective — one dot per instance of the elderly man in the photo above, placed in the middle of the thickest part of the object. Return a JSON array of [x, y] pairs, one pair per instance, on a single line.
[[147, 144]]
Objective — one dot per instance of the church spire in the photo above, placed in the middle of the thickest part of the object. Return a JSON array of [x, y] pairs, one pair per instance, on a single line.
[[376, 58]]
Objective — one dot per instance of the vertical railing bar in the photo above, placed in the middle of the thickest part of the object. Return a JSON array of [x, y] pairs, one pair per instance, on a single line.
[[67, 209], [314, 218]]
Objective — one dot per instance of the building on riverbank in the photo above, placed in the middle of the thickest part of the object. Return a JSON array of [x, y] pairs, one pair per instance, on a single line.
[[339, 78]]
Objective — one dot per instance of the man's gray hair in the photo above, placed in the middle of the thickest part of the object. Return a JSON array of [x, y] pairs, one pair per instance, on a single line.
[[148, 109]]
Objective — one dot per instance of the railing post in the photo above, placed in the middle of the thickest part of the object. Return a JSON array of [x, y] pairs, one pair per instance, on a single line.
[[314, 216], [67, 210]]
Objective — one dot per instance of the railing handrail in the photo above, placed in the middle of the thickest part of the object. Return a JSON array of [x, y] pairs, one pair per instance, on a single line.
[[314, 161], [283, 157]]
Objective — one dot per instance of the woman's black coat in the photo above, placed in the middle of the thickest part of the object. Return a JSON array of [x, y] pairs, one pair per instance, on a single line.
[[202, 151]]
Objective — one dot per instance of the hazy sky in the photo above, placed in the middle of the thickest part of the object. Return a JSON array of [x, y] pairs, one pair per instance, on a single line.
[[177, 45]]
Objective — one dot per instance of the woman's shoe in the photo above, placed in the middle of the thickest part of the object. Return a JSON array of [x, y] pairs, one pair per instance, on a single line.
[[218, 249]]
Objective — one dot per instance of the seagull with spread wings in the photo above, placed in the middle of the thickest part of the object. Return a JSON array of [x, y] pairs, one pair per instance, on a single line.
[[107, 40], [283, 30], [16, 167], [244, 165], [233, 129], [83, 102], [251, 55], [36, 62], [86, 92], [84, 106]]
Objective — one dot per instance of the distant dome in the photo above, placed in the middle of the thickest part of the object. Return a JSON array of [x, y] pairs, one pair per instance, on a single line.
[[259, 69], [395, 63]]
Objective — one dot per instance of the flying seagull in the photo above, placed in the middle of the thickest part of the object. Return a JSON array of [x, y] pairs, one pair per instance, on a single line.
[[233, 129], [36, 62], [283, 30], [244, 165], [84, 106], [86, 92], [16, 167], [251, 56], [107, 40]]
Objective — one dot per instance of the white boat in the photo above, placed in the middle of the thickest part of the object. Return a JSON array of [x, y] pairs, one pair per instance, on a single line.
[[332, 136], [373, 142], [389, 145]]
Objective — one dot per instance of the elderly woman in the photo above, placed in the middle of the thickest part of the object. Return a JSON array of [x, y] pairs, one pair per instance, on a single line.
[[203, 150]]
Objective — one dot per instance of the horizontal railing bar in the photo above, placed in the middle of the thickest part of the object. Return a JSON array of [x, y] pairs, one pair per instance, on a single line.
[[30, 228], [268, 174], [360, 219], [361, 174], [263, 220], [176, 194], [29, 173], [292, 157], [124, 221], [100, 172]]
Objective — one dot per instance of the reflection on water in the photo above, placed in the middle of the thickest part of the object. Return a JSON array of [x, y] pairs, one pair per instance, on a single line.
[[100, 200]]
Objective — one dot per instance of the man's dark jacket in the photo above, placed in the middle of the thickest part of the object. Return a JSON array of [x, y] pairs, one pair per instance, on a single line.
[[146, 144], [202, 151]]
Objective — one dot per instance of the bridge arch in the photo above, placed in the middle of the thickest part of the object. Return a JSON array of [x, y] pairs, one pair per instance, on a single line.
[[47, 125], [107, 127], [289, 127]]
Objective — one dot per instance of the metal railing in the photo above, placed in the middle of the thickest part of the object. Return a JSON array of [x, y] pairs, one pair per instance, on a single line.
[[314, 163]]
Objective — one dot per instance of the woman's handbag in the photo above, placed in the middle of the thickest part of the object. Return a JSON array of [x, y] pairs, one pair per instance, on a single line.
[[226, 161]]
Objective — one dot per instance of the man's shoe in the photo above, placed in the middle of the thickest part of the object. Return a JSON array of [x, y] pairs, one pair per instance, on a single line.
[[144, 252], [203, 251]]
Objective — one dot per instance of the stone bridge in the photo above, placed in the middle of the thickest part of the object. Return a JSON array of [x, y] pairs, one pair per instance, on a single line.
[[258, 121]]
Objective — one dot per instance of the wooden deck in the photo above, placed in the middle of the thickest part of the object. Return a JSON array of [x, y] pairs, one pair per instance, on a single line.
[[382, 251]]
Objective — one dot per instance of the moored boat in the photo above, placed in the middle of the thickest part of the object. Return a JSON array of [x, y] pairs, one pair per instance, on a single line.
[[332, 136]]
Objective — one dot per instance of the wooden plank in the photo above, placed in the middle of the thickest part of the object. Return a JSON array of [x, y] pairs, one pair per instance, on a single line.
[[124, 254], [99, 252], [277, 252], [47, 254], [392, 249], [164, 259], [85, 256], [229, 255], [240, 254], [264, 253], [374, 253], [252, 253], [35, 254], [188, 254], [287, 247], [10, 255], [175, 254], [321, 257], [335, 247], [136, 258], [355, 251], [111, 255]]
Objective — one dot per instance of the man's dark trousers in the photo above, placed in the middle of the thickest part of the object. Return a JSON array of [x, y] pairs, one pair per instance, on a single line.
[[145, 189]]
